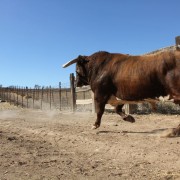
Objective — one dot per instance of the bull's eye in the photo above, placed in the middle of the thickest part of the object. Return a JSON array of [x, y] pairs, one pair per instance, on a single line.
[[78, 70]]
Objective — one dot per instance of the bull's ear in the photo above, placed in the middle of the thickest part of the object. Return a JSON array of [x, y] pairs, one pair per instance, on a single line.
[[83, 59]]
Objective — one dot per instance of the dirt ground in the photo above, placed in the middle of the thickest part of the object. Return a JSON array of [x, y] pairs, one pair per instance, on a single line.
[[54, 145]]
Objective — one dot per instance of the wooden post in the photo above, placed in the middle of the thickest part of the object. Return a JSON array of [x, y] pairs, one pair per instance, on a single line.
[[73, 93], [178, 42], [42, 90], [17, 95], [4, 97], [7, 95], [33, 96], [93, 103], [38, 89], [60, 96], [47, 94], [14, 98], [10, 95], [50, 96], [52, 92], [22, 96], [126, 108], [27, 96], [0, 92], [130, 108]]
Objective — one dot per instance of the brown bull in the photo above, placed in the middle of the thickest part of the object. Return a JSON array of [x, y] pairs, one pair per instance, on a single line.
[[129, 78]]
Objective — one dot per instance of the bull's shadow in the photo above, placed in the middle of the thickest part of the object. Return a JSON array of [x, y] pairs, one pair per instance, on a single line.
[[155, 131]]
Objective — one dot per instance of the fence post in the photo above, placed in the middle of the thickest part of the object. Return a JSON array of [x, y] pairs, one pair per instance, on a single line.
[[47, 93], [126, 109], [7, 94], [42, 90], [10, 95], [93, 103], [27, 95], [33, 96], [17, 95], [130, 108], [0, 91], [67, 100], [14, 100], [52, 92], [73, 93], [38, 92], [178, 42], [22, 96], [50, 96], [60, 96]]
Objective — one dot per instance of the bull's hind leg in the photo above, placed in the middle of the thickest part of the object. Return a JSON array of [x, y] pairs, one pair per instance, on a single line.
[[124, 116]]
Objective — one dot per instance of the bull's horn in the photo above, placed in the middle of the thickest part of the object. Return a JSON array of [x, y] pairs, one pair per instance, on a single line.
[[70, 62]]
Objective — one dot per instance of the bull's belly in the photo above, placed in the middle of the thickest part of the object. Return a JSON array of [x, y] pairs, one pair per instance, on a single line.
[[114, 101], [138, 92]]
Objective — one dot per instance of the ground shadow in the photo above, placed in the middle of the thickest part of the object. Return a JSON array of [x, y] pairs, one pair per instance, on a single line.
[[134, 132]]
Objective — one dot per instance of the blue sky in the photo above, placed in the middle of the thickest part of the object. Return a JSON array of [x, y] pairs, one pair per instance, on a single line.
[[38, 36]]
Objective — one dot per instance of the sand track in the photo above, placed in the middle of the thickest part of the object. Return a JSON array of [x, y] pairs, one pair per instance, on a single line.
[[61, 145]]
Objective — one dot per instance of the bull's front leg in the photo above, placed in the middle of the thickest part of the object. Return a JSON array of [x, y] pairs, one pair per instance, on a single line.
[[124, 116], [99, 106], [100, 102]]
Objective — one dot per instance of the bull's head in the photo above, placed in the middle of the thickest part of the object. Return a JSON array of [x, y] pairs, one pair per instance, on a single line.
[[81, 70]]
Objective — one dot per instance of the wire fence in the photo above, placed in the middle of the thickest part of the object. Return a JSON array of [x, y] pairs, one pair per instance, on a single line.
[[38, 97], [45, 98], [60, 98]]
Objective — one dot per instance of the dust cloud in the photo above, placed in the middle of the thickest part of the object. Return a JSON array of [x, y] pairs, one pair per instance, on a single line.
[[7, 114]]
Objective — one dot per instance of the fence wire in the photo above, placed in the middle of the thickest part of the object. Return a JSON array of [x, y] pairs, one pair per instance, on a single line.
[[59, 98], [37, 98]]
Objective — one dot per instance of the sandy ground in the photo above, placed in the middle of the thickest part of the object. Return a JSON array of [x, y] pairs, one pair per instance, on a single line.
[[61, 145]]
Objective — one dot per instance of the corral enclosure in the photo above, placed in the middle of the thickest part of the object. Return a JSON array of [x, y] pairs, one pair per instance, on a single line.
[[42, 98], [61, 99]]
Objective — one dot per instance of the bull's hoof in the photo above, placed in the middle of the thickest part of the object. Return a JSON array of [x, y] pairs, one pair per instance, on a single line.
[[95, 126], [176, 131], [129, 119]]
